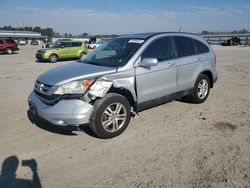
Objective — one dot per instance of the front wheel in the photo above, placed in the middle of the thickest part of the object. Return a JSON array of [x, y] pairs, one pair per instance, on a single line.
[[201, 89], [53, 58], [111, 116], [9, 51]]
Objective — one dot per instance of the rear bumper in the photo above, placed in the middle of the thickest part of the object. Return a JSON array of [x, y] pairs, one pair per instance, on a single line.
[[64, 113]]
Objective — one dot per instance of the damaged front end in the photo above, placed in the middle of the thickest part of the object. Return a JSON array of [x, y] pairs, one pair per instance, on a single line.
[[121, 83]]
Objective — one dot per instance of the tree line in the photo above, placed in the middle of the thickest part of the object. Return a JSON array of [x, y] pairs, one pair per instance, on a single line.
[[44, 31], [50, 33], [241, 31]]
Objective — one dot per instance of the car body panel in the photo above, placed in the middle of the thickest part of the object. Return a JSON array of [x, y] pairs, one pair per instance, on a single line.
[[156, 81], [75, 71]]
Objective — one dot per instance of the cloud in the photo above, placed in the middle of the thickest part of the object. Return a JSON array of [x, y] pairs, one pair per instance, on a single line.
[[28, 9], [77, 21], [87, 20], [210, 11]]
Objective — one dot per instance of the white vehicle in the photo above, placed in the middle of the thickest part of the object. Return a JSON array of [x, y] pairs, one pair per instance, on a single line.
[[22, 42], [94, 43]]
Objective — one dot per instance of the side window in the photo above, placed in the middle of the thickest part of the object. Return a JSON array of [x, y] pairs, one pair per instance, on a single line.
[[9, 41], [66, 44], [201, 48], [76, 44], [1, 42], [184, 46], [161, 49]]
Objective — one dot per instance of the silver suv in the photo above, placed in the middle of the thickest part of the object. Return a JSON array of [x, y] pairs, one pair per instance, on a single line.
[[124, 76]]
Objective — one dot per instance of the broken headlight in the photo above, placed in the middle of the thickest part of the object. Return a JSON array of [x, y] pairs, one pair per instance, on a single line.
[[75, 87]]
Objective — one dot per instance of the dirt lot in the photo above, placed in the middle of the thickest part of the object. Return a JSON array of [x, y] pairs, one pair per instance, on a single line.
[[173, 145]]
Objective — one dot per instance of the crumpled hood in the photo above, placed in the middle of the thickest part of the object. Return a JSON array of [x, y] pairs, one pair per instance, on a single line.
[[73, 71]]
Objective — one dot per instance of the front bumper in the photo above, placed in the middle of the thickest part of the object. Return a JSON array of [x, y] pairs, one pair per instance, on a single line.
[[64, 113], [41, 56]]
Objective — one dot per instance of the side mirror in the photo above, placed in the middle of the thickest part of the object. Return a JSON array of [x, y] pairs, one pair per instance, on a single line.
[[148, 62]]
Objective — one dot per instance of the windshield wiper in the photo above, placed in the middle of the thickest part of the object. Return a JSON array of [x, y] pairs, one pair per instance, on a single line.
[[92, 63]]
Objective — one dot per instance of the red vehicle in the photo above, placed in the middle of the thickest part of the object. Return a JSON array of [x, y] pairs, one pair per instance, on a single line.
[[8, 46]]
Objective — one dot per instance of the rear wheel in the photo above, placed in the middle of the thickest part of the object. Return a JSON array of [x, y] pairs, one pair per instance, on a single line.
[[201, 89], [82, 55], [9, 51], [53, 58], [111, 116]]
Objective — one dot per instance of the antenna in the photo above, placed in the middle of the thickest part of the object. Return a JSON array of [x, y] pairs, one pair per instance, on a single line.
[[180, 29]]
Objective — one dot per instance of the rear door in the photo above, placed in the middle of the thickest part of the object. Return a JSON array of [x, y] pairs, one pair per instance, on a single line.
[[187, 62], [75, 49], [156, 82]]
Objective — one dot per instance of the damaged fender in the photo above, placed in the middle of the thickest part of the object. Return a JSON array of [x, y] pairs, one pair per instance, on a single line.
[[102, 85]]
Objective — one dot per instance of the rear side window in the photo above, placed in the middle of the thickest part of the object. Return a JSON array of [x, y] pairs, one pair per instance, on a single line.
[[201, 48], [76, 44], [161, 49], [1, 42], [66, 44], [9, 41], [184, 46]]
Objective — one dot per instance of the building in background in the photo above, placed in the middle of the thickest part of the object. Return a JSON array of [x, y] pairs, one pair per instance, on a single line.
[[27, 36]]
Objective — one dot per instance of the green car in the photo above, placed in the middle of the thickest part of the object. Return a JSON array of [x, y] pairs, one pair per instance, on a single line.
[[62, 50]]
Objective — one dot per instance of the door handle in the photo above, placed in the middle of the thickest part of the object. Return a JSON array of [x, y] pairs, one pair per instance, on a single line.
[[170, 64], [197, 59]]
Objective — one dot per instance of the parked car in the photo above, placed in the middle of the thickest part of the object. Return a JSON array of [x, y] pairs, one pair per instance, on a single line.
[[233, 41], [94, 44], [124, 76], [34, 42], [22, 42], [8, 46], [62, 50]]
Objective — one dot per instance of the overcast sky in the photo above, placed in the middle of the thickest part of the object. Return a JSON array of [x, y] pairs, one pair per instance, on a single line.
[[127, 16]]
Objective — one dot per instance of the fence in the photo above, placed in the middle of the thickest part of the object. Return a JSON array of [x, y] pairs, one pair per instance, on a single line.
[[218, 39]]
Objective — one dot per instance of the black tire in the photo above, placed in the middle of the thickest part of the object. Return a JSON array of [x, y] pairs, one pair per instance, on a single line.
[[9, 51], [198, 96], [53, 58], [98, 116]]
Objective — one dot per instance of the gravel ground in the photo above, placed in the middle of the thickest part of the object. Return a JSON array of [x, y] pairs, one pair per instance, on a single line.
[[173, 145]]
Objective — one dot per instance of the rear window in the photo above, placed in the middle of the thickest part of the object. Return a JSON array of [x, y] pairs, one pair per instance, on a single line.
[[1, 42], [9, 41], [201, 48], [184, 46], [76, 44]]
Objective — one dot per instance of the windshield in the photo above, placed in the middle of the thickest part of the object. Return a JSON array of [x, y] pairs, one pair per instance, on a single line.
[[114, 53]]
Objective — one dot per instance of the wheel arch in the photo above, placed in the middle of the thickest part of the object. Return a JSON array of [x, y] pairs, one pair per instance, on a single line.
[[125, 93], [210, 76]]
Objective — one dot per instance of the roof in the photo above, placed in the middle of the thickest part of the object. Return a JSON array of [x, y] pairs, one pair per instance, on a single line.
[[20, 34], [148, 35]]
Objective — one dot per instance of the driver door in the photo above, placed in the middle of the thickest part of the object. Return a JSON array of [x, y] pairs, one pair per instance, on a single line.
[[65, 50], [156, 84]]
